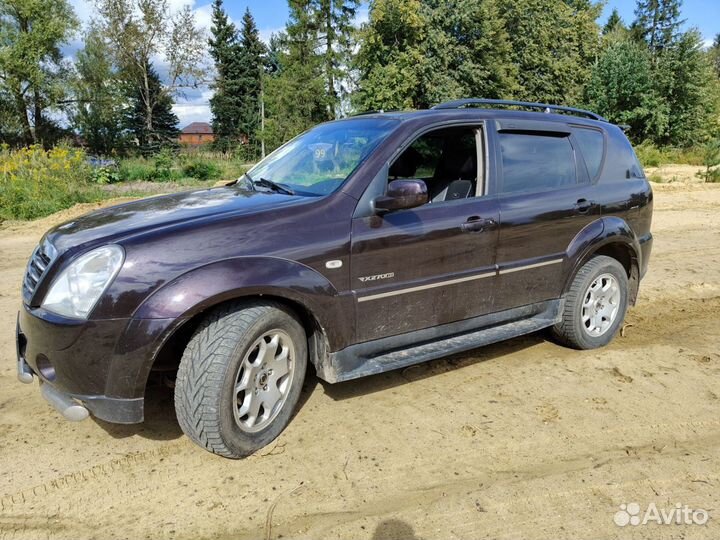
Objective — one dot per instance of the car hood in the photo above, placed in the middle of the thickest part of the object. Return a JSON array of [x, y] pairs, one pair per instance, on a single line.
[[116, 222]]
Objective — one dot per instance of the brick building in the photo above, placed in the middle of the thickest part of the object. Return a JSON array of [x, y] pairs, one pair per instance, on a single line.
[[197, 134]]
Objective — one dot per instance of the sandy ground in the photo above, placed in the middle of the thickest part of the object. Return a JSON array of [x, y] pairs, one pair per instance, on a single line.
[[523, 439]]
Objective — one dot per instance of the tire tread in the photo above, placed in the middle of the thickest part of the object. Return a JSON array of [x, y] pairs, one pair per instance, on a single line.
[[203, 368]]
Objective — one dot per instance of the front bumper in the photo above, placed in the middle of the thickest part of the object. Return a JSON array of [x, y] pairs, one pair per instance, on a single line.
[[99, 365]]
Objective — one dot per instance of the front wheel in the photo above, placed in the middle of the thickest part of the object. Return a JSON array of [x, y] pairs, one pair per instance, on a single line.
[[240, 377], [595, 305]]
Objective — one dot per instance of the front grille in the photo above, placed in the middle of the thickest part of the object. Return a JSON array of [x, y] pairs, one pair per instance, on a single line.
[[41, 259]]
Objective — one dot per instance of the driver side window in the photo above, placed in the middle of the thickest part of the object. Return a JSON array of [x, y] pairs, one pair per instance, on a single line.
[[449, 161]]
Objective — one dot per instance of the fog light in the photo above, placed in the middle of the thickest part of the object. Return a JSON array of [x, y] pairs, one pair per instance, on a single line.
[[45, 367]]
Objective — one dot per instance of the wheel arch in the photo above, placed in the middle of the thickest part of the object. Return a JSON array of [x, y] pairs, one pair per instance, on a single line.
[[614, 239], [168, 356], [176, 309]]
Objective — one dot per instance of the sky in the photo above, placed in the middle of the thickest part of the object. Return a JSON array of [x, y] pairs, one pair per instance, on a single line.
[[270, 16]]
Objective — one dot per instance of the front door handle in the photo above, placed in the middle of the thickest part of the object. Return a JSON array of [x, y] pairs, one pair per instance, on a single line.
[[583, 206], [477, 224]]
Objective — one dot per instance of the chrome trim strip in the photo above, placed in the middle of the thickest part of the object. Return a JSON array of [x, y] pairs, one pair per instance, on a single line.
[[455, 281], [529, 266], [424, 287]]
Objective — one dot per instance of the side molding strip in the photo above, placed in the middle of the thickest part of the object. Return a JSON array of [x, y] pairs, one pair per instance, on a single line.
[[424, 287], [455, 281], [529, 266]]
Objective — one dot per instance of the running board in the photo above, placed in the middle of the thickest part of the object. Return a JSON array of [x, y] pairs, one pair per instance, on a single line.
[[346, 365]]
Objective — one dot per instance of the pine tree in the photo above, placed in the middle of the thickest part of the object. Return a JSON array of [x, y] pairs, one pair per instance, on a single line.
[[250, 72], [684, 77], [226, 102], [658, 23], [614, 23], [295, 94], [715, 55], [336, 28], [161, 130]]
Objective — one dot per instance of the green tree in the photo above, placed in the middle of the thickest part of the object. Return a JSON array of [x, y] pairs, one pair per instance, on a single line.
[[714, 53], [554, 45], [390, 62], [685, 78], [621, 89], [156, 128], [97, 114], [295, 97], [225, 103], [336, 31], [250, 64], [469, 50], [33, 76], [658, 23], [614, 23], [140, 31]]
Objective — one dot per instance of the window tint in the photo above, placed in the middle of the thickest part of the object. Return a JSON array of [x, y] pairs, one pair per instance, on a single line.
[[592, 146], [536, 162], [445, 159], [443, 153]]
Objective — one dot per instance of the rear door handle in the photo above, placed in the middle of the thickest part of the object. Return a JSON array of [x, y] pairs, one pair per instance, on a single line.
[[583, 206], [477, 224]]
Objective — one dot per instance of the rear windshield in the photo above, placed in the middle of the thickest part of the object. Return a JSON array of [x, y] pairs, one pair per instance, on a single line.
[[320, 160]]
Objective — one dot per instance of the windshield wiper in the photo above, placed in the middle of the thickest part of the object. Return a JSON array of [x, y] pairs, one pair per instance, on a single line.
[[250, 183], [274, 186]]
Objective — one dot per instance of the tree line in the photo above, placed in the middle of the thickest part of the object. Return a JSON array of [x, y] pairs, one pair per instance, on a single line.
[[650, 73]]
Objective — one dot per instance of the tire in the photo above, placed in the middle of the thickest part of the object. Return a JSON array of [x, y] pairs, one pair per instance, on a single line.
[[226, 353], [591, 318]]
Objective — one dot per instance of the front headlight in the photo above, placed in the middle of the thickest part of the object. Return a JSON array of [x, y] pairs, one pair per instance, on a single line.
[[76, 289]]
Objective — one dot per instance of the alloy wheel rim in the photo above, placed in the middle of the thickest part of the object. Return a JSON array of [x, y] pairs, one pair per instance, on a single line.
[[263, 381], [601, 305]]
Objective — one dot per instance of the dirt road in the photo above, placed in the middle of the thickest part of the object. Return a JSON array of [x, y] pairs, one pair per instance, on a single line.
[[520, 440]]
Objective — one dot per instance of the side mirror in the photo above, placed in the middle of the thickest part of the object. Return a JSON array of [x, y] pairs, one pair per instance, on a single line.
[[401, 194]]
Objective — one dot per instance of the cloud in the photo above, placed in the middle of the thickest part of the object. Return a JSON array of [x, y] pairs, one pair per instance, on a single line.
[[193, 106], [83, 9]]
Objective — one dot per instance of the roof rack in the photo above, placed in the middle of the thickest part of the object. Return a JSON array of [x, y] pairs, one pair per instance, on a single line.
[[460, 103]]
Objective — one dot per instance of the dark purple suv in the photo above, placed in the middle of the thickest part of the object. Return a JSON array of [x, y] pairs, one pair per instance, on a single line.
[[363, 245]]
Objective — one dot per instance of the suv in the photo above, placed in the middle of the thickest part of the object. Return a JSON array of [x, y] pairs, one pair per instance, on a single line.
[[363, 245]]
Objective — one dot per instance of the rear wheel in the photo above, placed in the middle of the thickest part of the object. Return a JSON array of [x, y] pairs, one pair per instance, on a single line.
[[595, 305], [240, 377]]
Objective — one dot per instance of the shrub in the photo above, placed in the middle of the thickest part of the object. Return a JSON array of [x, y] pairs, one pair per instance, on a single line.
[[164, 161], [649, 154], [202, 170], [35, 182], [135, 170], [105, 175], [652, 156], [711, 161]]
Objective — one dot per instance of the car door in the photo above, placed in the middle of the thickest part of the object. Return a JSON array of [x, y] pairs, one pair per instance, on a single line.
[[430, 265], [545, 199]]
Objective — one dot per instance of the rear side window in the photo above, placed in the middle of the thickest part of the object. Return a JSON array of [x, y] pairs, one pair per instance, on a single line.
[[592, 146], [536, 162]]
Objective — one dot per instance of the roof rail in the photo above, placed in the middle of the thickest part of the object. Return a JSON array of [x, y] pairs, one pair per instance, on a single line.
[[459, 103]]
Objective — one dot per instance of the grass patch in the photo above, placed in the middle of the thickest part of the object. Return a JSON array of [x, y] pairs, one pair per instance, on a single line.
[[653, 156], [35, 182]]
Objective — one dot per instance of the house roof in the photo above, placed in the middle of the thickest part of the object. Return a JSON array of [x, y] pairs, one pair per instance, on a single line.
[[198, 128]]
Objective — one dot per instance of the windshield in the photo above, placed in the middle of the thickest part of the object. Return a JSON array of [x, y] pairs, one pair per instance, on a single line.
[[320, 160]]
